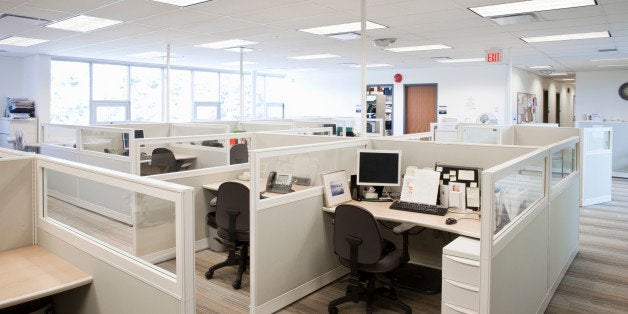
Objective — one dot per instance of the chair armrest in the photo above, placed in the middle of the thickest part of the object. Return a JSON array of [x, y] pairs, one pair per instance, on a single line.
[[404, 227], [185, 165]]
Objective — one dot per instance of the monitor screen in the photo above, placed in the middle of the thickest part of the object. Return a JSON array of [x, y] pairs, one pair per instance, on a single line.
[[332, 125], [125, 136], [379, 167]]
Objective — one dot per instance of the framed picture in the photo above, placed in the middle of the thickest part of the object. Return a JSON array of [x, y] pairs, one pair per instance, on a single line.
[[335, 188]]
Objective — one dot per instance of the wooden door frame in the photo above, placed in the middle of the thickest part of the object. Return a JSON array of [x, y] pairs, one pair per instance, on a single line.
[[405, 101]]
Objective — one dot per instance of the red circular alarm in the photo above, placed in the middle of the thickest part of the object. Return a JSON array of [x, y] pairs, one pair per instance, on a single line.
[[398, 78]]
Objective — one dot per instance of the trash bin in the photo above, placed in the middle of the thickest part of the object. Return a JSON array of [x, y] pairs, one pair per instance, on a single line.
[[214, 245]]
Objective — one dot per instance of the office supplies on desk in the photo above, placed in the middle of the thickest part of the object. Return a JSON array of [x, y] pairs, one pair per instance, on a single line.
[[279, 183], [335, 188], [421, 208], [460, 186]]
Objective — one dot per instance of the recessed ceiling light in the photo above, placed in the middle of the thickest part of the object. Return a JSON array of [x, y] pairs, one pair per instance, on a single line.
[[345, 36], [528, 6], [567, 80], [539, 67], [311, 57], [238, 63], [83, 23], [374, 65], [182, 3], [515, 19], [418, 48], [613, 59], [227, 44], [459, 60], [558, 74], [341, 28], [591, 35], [21, 41], [240, 49], [612, 65]]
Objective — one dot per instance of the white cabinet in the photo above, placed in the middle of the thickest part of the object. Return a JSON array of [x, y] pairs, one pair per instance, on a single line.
[[461, 276]]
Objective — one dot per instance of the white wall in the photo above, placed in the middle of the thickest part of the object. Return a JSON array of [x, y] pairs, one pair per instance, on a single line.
[[36, 76], [598, 93], [466, 91], [10, 80]]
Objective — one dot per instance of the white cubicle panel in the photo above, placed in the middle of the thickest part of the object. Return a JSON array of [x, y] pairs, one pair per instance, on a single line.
[[109, 248], [275, 139], [597, 172], [324, 131], [190, 129], [620, 148], [16, 200], [256, 126], [444, 131], [290, 231]]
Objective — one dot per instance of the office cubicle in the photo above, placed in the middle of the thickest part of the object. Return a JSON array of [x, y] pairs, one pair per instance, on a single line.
[[123, 281], [618, 143]]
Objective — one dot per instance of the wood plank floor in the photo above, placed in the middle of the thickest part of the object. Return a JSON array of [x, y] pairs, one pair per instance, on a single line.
[[597, 281]]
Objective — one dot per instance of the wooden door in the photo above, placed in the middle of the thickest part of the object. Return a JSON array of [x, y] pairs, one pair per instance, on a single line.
[[420, 107]]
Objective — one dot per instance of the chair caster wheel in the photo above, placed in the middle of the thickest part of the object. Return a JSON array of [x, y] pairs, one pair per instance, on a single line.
[[209, 274], [333, 310], [236, 285]]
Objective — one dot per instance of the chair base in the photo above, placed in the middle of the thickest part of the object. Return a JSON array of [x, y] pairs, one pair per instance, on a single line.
[[357, 291], [233, 259]]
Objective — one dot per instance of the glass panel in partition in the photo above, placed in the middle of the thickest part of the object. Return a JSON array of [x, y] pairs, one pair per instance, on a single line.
[[59, 135], [597, 139], [104, 141], [131, 223], [516, 193], [482, 135], [563, 164]]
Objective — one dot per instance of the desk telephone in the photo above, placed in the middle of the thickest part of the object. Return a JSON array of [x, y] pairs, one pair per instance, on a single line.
[[279, 183]]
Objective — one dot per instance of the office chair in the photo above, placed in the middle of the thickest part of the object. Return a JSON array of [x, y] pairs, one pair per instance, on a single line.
[[232, 220], [163, 159], [238, 154], [359, 245]]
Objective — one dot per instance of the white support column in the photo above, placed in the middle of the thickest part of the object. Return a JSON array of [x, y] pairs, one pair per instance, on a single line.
[[241, 84], [167, 92], [363, 71]]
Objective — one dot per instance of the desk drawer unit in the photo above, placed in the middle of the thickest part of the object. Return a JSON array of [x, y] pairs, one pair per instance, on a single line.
[[461, 276]]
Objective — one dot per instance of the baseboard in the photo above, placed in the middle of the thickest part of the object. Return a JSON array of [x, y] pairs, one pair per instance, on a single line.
[[301, 291], [552, 289], [168, 254], [596, 200], [92, 207]]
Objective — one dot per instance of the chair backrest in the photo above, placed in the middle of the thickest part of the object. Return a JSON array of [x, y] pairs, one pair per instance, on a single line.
[[359, 223], [233, 195], [238, 154], [163, 159]]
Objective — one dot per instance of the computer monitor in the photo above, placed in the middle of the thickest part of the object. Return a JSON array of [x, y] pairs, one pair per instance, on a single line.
[[138, 134], [379, 167], [332, 125]]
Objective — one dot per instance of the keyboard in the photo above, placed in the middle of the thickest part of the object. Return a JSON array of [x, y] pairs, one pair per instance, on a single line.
[[419, 208]]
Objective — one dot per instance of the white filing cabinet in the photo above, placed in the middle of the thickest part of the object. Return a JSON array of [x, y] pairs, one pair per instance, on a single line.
[[461, 276]]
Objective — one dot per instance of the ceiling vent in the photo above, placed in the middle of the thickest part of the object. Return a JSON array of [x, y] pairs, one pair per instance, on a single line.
[[516, 19], [22, 20], [384, 42], [608, 50], [345, 36]]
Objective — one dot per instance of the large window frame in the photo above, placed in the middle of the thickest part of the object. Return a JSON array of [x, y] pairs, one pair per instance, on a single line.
[[218, 105]]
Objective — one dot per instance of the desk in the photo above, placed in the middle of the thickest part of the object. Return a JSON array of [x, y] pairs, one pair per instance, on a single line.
[[214, 186], [33, 272], [177, 157], [382, 211]]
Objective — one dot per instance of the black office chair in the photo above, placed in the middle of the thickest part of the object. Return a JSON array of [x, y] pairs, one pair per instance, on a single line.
[[359, 245], [164, 161], [232, 221], [238, 154]]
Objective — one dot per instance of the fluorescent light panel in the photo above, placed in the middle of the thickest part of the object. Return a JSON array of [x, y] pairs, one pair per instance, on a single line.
[[591, 35], [567, 80], [181, 3], [540, 67], [529, 6], [21, 41], [240, 49], [613, 59], [418, 48], [460, 60], [312, 57], [374, 65], [341, 28], [558, 74], [345, 36], [612, 65], [231, 43], [238, 63], [83, 23], [149, 54]]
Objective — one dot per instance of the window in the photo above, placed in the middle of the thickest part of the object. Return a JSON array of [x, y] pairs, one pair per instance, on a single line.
[[180, 95], [260, 104], [275, 87], [147, 94], [110, 93], [206, 96], [69, 92], [230, 96]]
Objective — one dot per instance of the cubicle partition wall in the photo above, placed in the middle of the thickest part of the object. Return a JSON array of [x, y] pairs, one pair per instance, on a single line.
[[620, 148], [157, 129], [326, 131], [256, 126], [190, 129], [123, 281], [529, 229], [291, 249]]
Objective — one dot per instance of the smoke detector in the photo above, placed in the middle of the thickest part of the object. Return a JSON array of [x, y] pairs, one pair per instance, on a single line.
[[384, 42]]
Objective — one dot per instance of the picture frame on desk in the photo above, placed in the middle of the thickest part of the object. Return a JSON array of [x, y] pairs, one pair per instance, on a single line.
[[335, 188]]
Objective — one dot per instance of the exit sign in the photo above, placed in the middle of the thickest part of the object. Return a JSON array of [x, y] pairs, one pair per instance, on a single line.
[[494, 56]]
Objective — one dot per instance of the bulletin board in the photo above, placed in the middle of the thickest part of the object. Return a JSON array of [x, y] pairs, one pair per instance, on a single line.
[[467, 177], [526, 108]]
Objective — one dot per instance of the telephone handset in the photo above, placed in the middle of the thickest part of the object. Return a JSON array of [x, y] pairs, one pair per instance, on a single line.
[[279, 183]]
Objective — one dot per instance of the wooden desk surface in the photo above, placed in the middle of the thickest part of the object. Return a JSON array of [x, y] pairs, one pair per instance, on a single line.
[[382, 211], [33, 272], [214, 186], [177, 156]]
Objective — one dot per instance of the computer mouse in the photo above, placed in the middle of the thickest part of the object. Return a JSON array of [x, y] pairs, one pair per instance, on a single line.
[[451, 221]]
